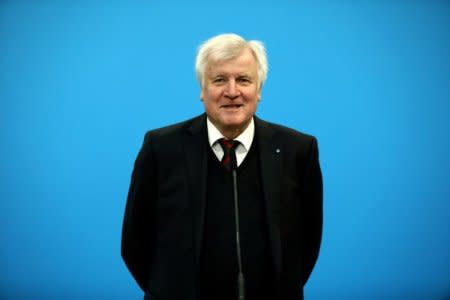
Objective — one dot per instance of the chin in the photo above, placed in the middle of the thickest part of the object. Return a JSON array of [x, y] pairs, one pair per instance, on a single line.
[[234, 123]]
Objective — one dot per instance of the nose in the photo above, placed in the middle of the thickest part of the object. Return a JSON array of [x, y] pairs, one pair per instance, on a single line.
[[231, 91]]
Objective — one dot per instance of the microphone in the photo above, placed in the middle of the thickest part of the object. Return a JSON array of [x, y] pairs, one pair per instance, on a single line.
[[240, 279]]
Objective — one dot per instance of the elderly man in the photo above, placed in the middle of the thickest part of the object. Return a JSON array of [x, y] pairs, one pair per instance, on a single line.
[[225, 205]]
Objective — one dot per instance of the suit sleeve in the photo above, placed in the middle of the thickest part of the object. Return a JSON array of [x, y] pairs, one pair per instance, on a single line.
[[312, 212], [137, 224]]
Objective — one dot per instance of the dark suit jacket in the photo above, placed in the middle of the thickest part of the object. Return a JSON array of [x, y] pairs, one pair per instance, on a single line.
[[164, 218]]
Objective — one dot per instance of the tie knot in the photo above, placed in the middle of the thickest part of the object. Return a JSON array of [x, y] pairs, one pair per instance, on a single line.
[[228, 145]]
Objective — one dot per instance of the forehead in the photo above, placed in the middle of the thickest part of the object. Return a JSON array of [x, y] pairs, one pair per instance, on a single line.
[[245, 62]]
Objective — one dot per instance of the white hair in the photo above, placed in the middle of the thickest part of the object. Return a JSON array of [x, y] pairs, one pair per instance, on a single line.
[[224, 47]]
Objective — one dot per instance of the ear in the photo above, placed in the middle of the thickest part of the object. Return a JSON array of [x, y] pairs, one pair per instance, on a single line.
[[202, 95]]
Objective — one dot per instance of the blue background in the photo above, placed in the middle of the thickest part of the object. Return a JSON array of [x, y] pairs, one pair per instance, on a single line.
[[80, 83]]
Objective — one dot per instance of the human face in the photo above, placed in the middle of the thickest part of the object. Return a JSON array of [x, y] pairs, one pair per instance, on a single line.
[[231, 93]]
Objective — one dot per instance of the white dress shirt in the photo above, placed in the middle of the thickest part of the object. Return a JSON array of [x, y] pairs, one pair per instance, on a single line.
[[245, 139]]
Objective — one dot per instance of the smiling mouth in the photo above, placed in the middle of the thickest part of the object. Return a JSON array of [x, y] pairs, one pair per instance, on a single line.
[[232, 106]]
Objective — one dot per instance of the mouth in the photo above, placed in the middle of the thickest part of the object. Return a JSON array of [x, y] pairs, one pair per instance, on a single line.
[[231, 106]]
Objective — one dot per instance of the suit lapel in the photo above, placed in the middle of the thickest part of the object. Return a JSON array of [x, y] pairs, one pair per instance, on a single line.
[[196, 147], [270, 164]]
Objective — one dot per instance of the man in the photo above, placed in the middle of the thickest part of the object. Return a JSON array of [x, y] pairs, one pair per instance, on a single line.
[[186, 233]]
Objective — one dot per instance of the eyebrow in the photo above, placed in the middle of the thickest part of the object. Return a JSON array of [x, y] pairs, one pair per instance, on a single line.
[[226, 75]]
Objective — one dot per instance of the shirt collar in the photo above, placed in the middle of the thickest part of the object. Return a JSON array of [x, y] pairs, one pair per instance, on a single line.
[[245, 138]]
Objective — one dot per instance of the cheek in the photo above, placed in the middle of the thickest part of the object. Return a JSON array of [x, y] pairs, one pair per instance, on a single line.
[[210, 105], [252, 98], [211, 95], [216, 94]]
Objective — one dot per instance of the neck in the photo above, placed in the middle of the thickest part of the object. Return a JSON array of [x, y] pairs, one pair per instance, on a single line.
[[233, 132], [231, 135]]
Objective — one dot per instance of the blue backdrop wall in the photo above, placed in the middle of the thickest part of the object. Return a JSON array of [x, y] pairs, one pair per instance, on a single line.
[[80, 83]]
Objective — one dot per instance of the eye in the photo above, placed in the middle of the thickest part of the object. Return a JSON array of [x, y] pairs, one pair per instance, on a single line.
[[244, 80], [218, 80]]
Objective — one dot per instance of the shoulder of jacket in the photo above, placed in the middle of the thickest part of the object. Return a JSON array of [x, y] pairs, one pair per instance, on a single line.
[[170, 130], [286, 132]]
